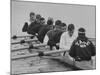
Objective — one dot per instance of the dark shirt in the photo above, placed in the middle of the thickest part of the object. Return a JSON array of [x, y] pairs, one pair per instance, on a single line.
[[25, 27], [42, 32], [33, 28], [82, 49], [54, 37]]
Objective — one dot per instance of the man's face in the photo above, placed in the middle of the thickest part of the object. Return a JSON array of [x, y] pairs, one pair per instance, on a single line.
[[38, 21], [51, 27], [43, 22], [71, 32], [32, 17], [64, 28]]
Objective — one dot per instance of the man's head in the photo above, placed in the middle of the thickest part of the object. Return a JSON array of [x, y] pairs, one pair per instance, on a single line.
[[50, 21], [50, 18], [42, 20], [71, 29], [81, 32], [38, 17], [64, 26], [32, 16], [58, 24]]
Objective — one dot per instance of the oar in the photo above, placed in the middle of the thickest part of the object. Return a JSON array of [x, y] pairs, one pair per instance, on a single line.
[[65, 59], [20, 49], [15, 37], [40, 53], [30, 47], [23, 41]]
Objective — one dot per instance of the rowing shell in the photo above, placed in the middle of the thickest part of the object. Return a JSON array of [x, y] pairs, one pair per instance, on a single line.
[[39, 65], [73, 63]]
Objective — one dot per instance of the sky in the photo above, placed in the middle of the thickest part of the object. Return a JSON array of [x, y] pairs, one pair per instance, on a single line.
[[79, 15]]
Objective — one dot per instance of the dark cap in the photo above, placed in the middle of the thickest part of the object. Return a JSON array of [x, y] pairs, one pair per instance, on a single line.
[[81, 30], [71, 27], [58, 22], [32, 13]]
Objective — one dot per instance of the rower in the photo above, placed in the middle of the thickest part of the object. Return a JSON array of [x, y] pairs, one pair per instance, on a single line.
[[82, 49], [42, 21], [53, 36], [67, 38], [42, 32], [32, 19], [34, 27]]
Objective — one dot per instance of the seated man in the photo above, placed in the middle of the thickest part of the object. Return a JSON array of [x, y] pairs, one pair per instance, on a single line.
[[42, 21], [67, 38], [32, 19], [42, 32], [53, 36], [35, 26], [82, 49]]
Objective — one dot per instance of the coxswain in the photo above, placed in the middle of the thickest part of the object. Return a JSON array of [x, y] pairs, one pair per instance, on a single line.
[[83, 50]]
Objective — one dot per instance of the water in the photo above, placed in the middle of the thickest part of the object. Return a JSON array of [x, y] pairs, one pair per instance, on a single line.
[[36, 65], [33, 64]]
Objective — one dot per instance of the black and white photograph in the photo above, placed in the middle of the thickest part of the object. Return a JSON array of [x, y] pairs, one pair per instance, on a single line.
[[52, 37]]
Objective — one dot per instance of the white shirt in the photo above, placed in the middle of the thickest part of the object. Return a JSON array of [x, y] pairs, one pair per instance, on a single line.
[[46, 38], [66, 41]]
